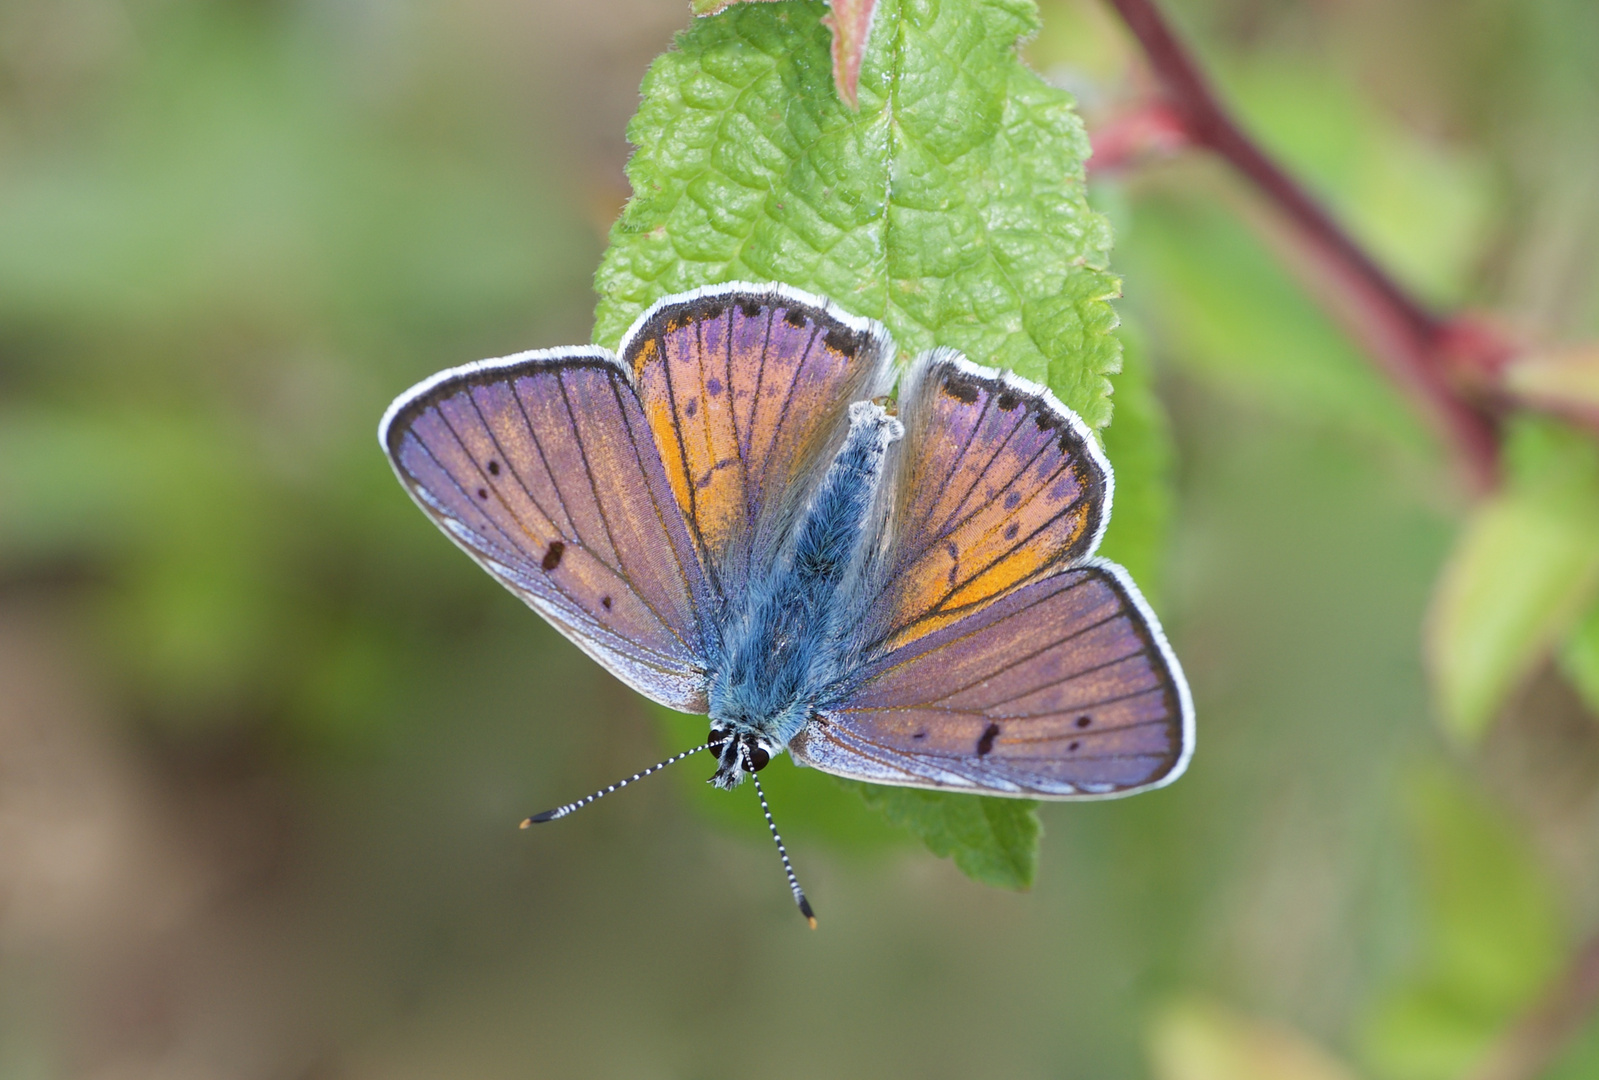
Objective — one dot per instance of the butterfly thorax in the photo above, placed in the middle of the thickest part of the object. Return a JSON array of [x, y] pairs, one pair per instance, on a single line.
[[787, 640]]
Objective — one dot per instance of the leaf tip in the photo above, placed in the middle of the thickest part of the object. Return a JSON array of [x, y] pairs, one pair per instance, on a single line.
[[851, 24]]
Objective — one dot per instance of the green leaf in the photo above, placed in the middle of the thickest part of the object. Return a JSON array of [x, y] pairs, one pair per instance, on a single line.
[[851, 24], [1139, 445], [950, 206], [1524, 570], [1491, 937], [994, 841]]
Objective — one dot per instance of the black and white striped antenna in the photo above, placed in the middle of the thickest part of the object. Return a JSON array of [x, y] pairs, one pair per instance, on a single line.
[[782, 852], [788, 867], [562, 811]]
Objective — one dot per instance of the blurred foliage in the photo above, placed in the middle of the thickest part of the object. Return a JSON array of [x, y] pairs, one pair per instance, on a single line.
[[1525, 569], [1201, 1040], [208, 286], [230, 232], [1492, 935]]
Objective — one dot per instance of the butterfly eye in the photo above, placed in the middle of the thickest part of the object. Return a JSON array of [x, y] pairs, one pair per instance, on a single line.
[[758, 759]]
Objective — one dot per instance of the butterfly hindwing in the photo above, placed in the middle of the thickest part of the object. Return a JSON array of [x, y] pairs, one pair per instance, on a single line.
[[995, 484], [543, 468], [747, 390], [1064, 688]]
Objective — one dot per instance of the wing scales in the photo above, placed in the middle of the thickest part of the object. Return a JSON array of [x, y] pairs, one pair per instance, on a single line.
[[747, 390], [995, 484], [543, 468], [1064, 688]]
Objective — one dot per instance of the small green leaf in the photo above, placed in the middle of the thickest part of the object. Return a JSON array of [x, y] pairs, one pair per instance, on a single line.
[[1524, 570], [994, 841]]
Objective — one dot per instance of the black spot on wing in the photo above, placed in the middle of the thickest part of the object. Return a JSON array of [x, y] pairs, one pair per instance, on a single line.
[[494, 468], [605, 602], [794, 317], [552, 557], [960, 388], [986, 742], [844, 340], [1084, 721]]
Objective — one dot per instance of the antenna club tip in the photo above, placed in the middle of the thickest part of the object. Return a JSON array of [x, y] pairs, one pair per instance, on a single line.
[[525, 823], [805, 910], [812, 920]]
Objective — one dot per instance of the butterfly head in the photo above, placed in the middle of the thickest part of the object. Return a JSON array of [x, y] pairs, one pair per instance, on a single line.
[[738, 752]]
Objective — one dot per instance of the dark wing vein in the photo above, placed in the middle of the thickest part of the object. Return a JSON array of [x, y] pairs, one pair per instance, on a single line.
[[1065, 678], [655, 505], [782, 415], [1007, 553]]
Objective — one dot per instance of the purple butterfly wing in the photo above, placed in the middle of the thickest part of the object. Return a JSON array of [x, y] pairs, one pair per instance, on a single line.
[[747, 388], [994, 485], [1065, 688], [543, 469], [999, 657]]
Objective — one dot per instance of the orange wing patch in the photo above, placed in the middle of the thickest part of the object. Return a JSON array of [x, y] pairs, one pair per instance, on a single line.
[[746, 394], [997, 485]]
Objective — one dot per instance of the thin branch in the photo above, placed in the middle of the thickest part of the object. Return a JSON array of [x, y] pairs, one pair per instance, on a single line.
[[1533, 1042], [1400, 332]]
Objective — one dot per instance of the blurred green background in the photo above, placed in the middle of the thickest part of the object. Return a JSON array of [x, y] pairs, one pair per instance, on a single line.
[[265, 735]]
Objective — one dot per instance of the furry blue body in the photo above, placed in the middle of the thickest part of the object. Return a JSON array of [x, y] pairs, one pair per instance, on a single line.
[[788, 645]]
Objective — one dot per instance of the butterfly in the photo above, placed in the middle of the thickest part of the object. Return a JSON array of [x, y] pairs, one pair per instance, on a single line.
[[732, 516]]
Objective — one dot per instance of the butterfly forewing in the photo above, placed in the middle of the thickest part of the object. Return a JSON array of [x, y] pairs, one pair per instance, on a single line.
[[1063, 688], [747, 390], [543, 468], [994, 485]]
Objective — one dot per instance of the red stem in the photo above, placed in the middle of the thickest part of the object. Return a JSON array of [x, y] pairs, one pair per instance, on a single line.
[[1401, 333]]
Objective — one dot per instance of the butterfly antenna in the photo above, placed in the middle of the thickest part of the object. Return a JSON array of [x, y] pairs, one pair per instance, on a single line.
[[788, 867], [562, 811]]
